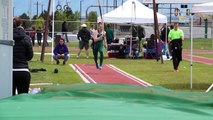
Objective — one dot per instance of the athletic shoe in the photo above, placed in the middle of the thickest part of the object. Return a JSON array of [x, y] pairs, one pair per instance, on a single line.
[[97, 66], [100, 67]]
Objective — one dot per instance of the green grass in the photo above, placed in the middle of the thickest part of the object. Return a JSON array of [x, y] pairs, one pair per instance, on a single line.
[[205, 55], [149, 70], [200, 44]]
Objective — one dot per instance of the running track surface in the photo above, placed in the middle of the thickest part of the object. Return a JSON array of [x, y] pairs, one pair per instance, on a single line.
[[108, 75], [203, 60]]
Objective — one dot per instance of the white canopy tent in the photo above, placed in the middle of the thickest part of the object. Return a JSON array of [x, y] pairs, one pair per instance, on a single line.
[[205, 11], [132, 11]]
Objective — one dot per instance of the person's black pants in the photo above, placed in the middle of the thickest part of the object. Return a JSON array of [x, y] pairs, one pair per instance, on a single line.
[[21, 82], [176, 57]]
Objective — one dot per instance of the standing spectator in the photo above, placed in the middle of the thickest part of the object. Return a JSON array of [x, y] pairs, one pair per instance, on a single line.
[[84, 37], [64, 30], [141, 34], [93, 30], [32, 35], [99, 44], [176, 36], [134, 32], [39, 32], [22, 52], [61, 52], [164, 37], [109, 34]]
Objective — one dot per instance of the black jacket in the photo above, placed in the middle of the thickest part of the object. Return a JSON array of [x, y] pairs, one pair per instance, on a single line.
[[22, 50], [84, 35]]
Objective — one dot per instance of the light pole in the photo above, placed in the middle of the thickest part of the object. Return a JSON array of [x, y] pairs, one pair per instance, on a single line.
[[80, 9]]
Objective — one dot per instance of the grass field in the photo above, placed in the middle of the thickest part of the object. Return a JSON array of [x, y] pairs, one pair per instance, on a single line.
[[149, 70]]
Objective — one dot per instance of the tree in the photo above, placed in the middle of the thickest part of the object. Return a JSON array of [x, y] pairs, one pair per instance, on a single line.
[[26, 23], [24, 16], [39, 22], [92, 17]]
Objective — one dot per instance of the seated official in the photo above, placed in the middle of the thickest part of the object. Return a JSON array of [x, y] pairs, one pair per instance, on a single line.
[[61, 52]]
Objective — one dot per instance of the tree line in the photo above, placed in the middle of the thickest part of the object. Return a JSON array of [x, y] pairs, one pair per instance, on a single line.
[[72, 18]]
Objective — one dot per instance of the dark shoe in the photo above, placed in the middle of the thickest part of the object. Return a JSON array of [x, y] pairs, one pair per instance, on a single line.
[[64, 62], [42, 69], [57, 62]]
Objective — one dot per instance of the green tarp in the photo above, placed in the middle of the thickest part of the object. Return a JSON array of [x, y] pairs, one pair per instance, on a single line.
[[108, 102]]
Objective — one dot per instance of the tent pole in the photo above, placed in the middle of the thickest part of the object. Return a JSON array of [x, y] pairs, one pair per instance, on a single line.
[[191, 58], [130, 52], [53, 28]]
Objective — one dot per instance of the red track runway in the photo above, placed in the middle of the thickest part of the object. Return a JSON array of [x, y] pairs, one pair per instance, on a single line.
[[203, 60], [108, 75]]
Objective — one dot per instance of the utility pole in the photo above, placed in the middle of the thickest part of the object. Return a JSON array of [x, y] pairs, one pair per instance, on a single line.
[[81, 10], [42, 10], [45, 32], [156, 32], [30, 9], [37, 4], [107, 6]]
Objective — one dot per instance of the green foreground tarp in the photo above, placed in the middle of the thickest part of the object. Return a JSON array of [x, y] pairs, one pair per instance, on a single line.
[[108, 102]]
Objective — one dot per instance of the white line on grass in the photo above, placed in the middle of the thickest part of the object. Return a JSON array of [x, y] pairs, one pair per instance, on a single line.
[[34, 84], [38, 53], [209, 88]]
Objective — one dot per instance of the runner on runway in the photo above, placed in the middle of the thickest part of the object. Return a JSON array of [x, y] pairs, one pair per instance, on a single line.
[[99, 44]]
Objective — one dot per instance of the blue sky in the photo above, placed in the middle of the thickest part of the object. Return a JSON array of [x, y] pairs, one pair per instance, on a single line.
[[19, 8]]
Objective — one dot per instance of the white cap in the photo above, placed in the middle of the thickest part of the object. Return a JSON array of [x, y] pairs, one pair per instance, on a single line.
[[83, 25]]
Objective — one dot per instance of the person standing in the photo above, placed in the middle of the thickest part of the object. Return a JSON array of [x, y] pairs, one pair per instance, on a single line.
[[141, 34], [61, 52], [84, 36], [164, 37], [32, 35], [99, 44], [64, 30], [22, 52], [39, 35], [109, 34], [176, 36]]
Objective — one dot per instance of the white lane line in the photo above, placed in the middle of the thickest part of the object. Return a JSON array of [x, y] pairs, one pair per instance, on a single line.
[[86, 78], [35, 84], [138, 80], [209, 88], [38, 53]]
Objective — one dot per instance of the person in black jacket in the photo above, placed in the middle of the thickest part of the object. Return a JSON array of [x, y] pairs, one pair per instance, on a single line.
[[64, 30], [22, 52], [84, 37]]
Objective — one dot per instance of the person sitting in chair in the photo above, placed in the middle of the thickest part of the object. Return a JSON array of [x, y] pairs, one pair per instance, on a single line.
[[61, 52]]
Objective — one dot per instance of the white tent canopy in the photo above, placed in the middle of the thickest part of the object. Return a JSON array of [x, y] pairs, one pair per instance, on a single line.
[[132, 11], [203, 8]]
